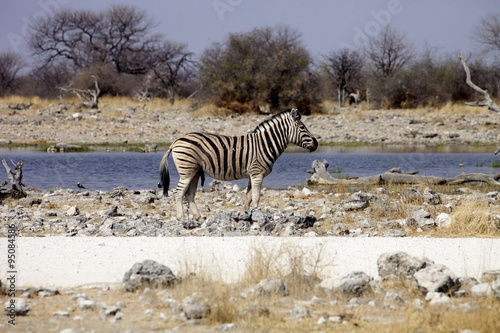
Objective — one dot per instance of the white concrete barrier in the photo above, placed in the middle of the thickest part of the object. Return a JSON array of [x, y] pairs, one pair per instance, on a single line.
[[73, 261]]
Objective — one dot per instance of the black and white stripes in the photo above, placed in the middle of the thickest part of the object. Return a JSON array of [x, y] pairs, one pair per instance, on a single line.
[[233, 157]]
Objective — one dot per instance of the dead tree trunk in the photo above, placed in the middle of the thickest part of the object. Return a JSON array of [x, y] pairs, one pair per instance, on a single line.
[[487, 99], [16, 180]]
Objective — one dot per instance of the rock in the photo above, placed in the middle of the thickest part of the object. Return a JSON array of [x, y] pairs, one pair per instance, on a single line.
[[146, 198], [436, 278], [17, 306], [227, 327], [73, 211], [85, 304], [300, 312], [118, 192], [194, 310], [422, 218], [61, 314], [354, 283], [28, 202], [443, 220], [394, 233], [356, 201], [400, 264], [489, 276], [412, 194], [392, 297], [148, 273], [438, 298], [431, 197], [272, 287]]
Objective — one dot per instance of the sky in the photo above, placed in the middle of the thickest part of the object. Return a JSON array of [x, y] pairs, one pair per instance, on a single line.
[[444, 25]]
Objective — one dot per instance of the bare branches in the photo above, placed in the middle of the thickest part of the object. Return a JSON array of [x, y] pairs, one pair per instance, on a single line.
[[492, 106], [388, 52], [343, 68], [89, 97]]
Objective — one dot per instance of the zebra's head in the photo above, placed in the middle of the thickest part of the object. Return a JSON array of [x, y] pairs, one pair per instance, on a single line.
[[300, 135]]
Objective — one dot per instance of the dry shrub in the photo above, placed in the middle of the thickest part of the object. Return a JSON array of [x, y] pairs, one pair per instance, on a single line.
[[299, 268], [472, 219], [443, 319], [211, 110]]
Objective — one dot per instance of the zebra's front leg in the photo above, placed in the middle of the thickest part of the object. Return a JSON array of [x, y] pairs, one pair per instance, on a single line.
[[253, 196], [190, 194]]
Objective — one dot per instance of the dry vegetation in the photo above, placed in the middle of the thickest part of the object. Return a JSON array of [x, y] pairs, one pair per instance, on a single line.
[[157, 310]]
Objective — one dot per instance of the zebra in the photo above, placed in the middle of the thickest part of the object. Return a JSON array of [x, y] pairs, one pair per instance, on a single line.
[[232, 157]]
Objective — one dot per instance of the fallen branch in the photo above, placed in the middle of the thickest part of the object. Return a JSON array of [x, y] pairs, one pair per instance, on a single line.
[[320, 176], [492, 106], [89, 97]]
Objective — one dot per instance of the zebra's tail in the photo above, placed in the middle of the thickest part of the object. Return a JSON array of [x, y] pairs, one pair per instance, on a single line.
[[164, 175]]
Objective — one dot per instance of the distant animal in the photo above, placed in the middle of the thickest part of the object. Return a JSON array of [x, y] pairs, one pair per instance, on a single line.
[[80, 185], [232, 157]]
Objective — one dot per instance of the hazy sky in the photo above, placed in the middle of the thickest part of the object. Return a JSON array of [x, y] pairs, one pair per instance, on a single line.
[[325, 25]]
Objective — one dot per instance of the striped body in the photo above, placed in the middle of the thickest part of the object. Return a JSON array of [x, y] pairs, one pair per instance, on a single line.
[[233, 157]]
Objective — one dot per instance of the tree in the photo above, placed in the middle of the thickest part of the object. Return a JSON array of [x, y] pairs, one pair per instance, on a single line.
[[10, 65], [264, 66], [487, 33], [121, 36], [168, 63], [388, 52], [343, 69]]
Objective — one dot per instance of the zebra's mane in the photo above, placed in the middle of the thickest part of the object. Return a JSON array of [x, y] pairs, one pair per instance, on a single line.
[[262, 126]]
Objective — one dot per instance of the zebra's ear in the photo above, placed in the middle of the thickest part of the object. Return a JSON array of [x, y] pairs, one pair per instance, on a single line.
[[295, 114]]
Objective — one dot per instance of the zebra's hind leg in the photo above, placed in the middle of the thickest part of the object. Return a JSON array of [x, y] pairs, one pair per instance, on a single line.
[[190, 194], [180, 192]]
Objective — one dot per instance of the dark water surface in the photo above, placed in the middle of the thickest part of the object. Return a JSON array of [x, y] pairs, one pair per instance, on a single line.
[[107, 170]]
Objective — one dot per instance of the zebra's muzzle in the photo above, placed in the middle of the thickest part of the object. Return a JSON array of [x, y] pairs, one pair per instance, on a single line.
[[312, 146]]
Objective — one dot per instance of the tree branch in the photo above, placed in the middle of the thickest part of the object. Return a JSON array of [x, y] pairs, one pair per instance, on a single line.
[[492, 106]]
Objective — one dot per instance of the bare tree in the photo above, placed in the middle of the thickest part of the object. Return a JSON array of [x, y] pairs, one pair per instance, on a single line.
[[487, 33], [343, 69], [121, 36], [168, 63], [388, 52], [10, 65]]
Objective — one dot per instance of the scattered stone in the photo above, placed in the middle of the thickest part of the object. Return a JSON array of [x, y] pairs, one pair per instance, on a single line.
[[195, 310], [400, 264], [148, 273], [272, 287], [357, 201], [61, 314], [394, 233], [412, 194], [436, 278], [492, 275], [300, 312], [443, 220], [73, 211], [431, 197], [227, 327], [354, 283], [16, 305]]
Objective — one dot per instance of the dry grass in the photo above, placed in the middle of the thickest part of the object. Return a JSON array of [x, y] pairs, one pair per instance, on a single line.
[[211, 110], [473, 219]]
